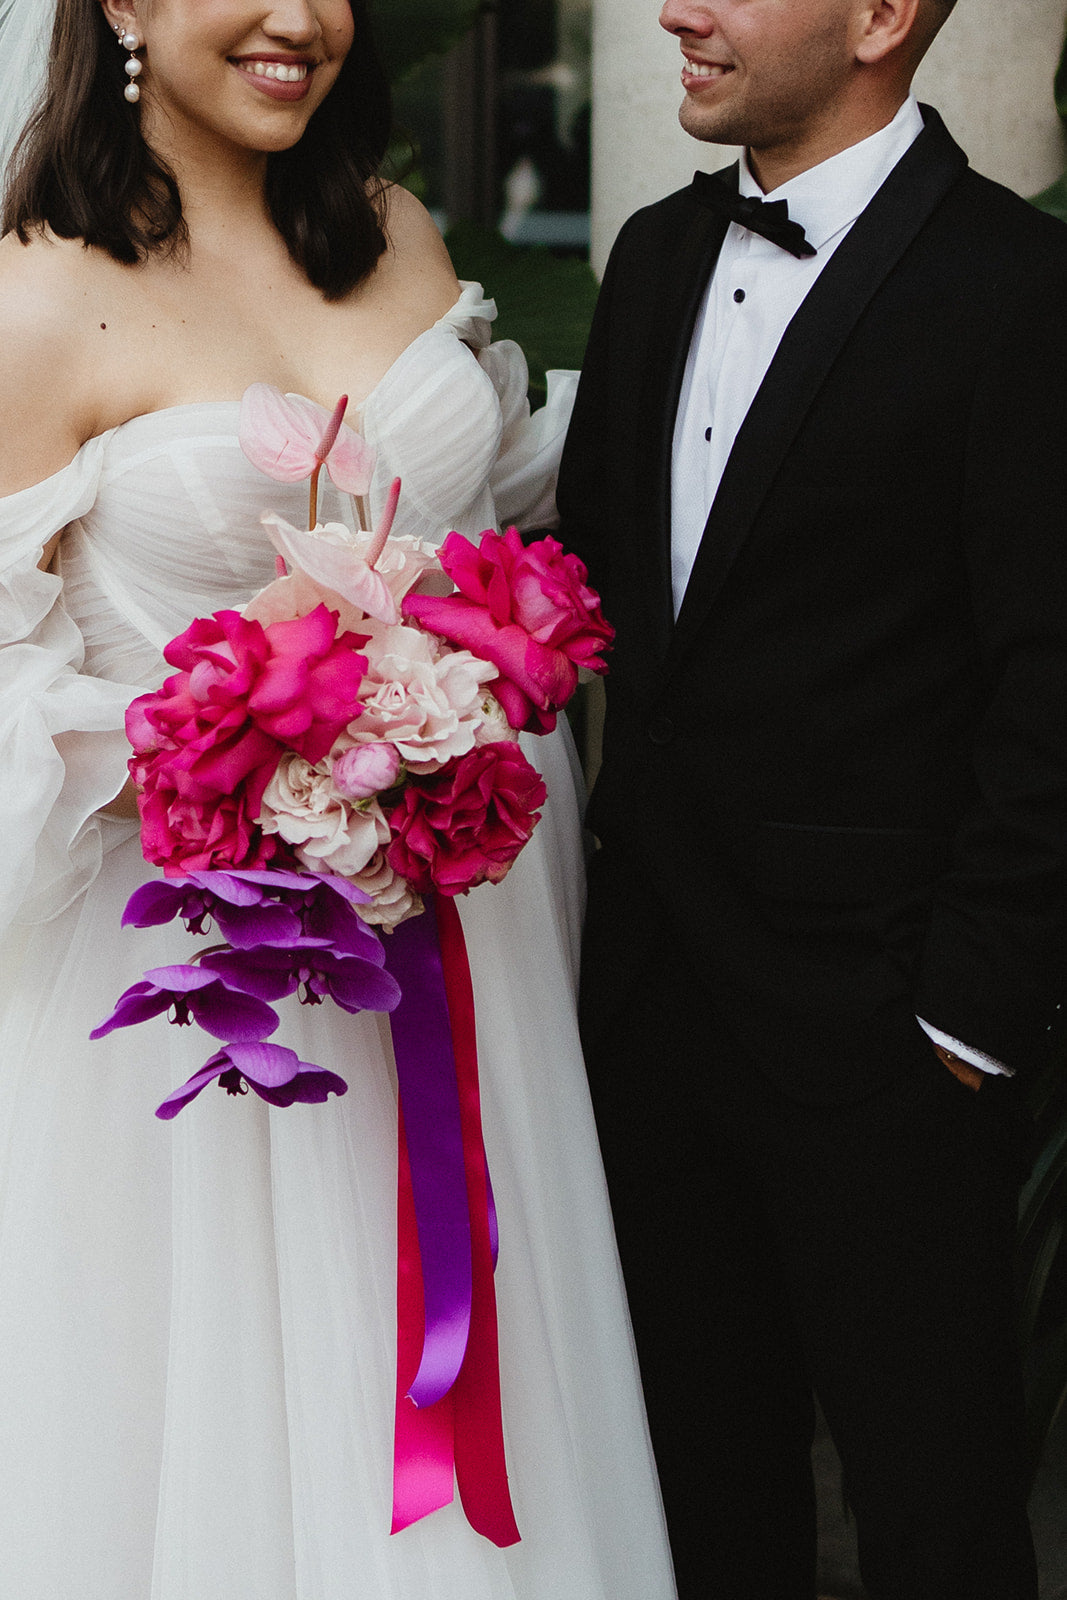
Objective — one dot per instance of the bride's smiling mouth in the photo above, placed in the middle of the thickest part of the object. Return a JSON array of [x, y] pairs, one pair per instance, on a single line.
[[282, 77]]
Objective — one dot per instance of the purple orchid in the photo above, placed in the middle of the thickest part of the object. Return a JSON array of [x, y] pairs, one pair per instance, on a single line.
[[313, 968], [257, 907], [275, 1073], [324, 905], [193, 995]]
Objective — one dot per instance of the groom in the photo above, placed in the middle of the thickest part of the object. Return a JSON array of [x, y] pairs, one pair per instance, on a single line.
[[818, 468]]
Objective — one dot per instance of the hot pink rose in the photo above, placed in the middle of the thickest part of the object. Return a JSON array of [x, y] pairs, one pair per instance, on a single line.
[[206, 745], [183, 835], [465, 825], [526, 608], [293, 680]]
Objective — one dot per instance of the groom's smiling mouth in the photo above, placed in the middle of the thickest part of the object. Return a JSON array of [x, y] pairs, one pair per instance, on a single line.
[[697, 73]]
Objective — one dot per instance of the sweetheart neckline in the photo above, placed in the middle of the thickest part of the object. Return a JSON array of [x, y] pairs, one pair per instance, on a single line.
[[467, 290]]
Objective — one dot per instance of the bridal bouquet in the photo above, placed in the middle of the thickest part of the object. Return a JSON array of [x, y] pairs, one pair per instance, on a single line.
[[344, 745], [339, 759]]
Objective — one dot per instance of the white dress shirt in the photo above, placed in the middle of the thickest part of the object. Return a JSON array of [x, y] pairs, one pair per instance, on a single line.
[[754, 293]]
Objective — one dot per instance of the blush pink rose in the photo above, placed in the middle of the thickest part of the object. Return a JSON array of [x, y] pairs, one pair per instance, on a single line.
[[392, 900], [465, 825], [366, 769], [424, 700], [526, 608], [302, 805]]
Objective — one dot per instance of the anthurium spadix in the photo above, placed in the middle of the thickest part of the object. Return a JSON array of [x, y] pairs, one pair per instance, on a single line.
[[290, 438]]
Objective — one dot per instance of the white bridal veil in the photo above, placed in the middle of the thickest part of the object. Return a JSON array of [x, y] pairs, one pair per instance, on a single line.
[[25, 29]]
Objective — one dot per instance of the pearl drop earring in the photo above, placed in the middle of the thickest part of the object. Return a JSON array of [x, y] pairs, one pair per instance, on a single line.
[[130, 42]]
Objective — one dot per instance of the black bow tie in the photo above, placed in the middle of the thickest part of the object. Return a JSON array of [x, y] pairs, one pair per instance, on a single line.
[[768, 218]]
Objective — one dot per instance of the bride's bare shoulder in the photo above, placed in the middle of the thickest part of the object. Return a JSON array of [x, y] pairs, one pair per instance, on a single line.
[[417, 255], [47, 296], [41, 282]]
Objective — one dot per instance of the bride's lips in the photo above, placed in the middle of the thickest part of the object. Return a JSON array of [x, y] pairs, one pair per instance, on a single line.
[[698, 75], [281, 77]]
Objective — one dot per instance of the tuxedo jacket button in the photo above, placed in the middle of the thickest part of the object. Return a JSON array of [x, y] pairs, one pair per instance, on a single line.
[[661, 730]]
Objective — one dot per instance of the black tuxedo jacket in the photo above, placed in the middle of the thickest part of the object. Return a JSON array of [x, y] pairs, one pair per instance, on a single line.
[[840, 778]]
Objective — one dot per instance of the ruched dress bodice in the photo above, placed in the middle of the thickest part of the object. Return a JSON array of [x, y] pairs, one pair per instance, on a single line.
[[162, 523]]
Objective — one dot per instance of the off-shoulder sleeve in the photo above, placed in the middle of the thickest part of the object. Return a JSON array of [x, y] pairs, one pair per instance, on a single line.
[[63, 748], [524, 476]]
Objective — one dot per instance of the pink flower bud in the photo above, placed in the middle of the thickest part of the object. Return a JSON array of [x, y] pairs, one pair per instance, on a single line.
[[366, 769]]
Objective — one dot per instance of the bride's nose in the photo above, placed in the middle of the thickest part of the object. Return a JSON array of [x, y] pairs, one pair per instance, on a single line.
[[295, 20]]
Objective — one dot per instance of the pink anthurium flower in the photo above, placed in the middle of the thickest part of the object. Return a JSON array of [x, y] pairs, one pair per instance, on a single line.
[[290, 438], [331, 556]]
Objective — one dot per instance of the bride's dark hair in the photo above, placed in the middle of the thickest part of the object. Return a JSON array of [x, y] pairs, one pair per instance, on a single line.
[[82, 169]]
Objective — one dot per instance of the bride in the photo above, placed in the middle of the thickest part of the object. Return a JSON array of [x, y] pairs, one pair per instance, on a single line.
[[196, 1318]]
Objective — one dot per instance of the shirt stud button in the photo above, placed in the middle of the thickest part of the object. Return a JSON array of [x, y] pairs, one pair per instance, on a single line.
[[739, 295], [707, 435]]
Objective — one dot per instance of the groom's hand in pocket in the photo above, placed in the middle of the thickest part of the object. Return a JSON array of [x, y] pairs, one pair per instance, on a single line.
[[971, 1076]]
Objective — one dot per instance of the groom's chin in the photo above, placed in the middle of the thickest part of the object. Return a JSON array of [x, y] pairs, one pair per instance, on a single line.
[[712, 122]]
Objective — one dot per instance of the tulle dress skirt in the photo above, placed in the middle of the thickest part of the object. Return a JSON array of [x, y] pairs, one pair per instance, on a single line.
[[197, 1319]]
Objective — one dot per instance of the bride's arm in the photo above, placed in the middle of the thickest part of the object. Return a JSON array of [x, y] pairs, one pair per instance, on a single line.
[[65, 719]]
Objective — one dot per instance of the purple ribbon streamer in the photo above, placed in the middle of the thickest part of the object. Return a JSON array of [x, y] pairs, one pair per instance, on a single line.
[[429, 1094]]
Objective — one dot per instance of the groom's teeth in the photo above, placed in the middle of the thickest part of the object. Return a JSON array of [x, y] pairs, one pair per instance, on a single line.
[[276, 69], [705, 69]]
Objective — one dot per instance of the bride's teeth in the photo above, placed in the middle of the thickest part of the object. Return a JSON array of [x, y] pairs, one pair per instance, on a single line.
[[284, 74]]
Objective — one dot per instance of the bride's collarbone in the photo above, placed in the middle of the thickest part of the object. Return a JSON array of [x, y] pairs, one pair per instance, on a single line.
[[182, 340]]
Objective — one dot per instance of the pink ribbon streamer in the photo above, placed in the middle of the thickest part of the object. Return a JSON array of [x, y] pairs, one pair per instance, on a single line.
[[458, 1435]]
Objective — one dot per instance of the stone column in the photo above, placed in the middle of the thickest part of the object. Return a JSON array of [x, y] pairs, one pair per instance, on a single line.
[[989, 74]]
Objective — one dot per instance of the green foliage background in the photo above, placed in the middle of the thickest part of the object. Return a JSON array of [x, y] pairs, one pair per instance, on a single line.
[[410, 30], [544, 302]]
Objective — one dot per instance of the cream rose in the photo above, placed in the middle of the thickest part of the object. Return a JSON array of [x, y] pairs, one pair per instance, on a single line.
[[392, 900], [303, 806]]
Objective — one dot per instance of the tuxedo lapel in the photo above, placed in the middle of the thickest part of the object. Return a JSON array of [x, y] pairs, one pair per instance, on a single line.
[[685, 281], [808, 350]]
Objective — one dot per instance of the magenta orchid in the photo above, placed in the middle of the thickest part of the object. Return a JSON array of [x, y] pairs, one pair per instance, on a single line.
[[192, 995], [290, 438], [274, 1072], [255, 908], [312, 969]]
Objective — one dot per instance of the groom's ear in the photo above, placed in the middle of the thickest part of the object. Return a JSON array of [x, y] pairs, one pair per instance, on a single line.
[[889, 32]]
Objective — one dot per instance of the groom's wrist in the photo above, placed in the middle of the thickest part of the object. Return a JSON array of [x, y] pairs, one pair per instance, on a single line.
[[973, 1077]]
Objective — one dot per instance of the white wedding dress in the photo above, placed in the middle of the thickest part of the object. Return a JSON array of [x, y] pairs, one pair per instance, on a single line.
[[197, 1318]]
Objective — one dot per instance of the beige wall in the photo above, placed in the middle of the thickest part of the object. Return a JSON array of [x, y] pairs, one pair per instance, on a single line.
[[990, 74]]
